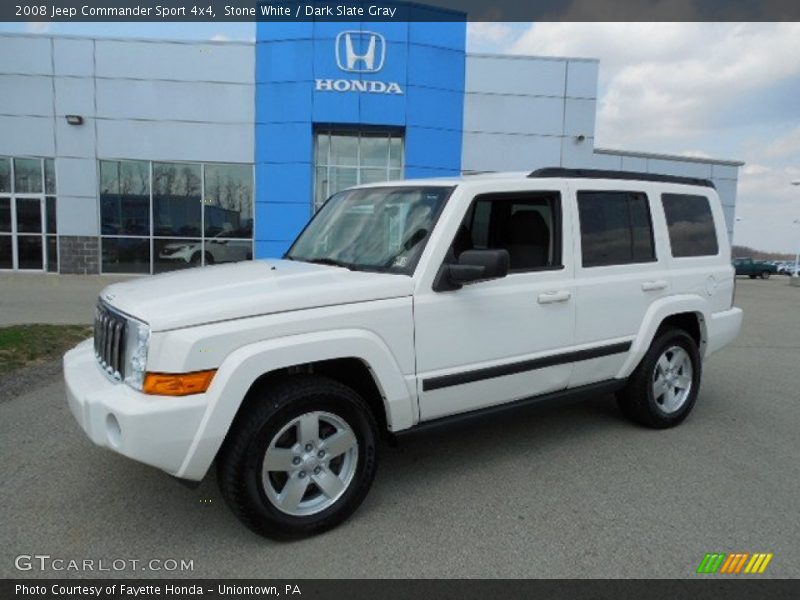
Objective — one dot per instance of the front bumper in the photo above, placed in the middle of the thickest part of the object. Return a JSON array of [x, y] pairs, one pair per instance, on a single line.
[[155, 430]]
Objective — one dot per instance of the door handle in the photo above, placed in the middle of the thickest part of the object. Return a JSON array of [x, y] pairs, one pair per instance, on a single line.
[[654, 286], [553, 297]]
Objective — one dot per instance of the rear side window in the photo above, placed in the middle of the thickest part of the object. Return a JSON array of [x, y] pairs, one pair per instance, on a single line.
[[690, 224], [616, 228]]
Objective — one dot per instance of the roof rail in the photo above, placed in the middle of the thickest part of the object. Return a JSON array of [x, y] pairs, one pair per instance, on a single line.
[[626, 175]]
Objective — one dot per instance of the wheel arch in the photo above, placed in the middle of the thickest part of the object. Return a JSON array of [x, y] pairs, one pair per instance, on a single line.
[[688, 313], [356, 358]]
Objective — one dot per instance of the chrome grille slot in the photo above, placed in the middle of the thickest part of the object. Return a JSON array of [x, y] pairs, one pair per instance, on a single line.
[[109, 341]]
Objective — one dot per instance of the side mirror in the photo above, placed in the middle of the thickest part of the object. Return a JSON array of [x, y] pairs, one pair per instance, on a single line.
[[472, 266]]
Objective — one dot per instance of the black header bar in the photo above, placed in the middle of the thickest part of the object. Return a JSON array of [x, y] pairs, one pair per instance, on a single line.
[[286, 11]]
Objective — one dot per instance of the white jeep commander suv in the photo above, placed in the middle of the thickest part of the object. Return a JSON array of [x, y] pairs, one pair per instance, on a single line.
[[404, 305]]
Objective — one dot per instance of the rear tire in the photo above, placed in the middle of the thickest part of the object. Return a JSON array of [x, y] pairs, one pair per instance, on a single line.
[[300, 458], [765, 275], [663, 389]]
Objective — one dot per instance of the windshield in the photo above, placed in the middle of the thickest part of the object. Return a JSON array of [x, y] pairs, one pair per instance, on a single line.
[[383, 228]]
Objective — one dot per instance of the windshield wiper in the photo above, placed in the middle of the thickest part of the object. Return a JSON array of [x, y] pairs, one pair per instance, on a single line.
[[324, 260]]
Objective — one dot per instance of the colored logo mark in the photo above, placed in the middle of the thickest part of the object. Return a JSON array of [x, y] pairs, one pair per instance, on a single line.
[[734, 563]]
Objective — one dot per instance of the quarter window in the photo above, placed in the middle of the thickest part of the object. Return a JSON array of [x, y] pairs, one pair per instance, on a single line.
[[690, 224], [616, 228]]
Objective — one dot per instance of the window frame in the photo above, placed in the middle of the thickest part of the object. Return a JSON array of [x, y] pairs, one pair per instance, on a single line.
[[628, 193], [558, 220]]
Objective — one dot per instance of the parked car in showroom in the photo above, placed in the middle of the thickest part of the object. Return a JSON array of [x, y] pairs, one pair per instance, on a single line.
[[754, 268], [217, 250], [404, 306]]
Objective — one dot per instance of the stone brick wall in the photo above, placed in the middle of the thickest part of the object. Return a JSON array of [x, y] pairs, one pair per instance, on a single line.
[[79, 255]]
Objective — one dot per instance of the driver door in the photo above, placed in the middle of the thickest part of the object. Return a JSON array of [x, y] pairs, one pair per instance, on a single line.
[[501, 340]]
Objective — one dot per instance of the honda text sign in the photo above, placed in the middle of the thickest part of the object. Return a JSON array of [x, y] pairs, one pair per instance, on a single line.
[[361, 52]]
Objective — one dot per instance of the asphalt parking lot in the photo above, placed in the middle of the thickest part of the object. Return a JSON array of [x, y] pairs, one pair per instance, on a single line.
[[572, 491]]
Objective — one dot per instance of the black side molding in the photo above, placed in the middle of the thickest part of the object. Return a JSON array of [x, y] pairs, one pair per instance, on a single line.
[[570, 394], [443, 381], [550, 172]]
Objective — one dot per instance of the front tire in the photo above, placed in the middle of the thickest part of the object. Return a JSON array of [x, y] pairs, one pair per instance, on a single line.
[[300, 458], [663, 389], [765, 275]]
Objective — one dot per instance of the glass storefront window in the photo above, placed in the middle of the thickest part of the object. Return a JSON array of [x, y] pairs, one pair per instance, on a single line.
[[49, 176], [176, 200], [27, 216], [125, 255], [5, 215], [228, 201], [188, 214], [124, 198], [173, 254], [344, 159], [27, 176], [5, 175]]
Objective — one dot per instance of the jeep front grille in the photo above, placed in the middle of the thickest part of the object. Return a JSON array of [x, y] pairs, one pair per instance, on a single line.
[[109, 341]]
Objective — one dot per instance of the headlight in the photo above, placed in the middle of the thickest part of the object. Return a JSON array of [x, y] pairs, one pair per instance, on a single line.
[[138, 340]]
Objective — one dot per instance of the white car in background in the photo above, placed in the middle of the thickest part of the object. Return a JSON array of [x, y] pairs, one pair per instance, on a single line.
[[216, 251]]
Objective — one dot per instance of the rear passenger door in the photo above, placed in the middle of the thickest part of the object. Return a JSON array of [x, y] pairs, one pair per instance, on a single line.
[[619, 274]]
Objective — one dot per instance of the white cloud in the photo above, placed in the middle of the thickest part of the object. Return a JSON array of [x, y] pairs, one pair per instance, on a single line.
[[672, 79], [220, 37], [487, 33], [787, 145], [38, 26], [695, 154]]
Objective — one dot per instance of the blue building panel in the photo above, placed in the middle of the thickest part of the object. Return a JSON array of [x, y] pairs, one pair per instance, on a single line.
[[284, 182], [284, 142], [286, 101], [399, 75], [287, 60], [282, 221]]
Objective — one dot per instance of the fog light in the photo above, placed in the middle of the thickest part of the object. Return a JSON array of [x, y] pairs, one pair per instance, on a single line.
[[113, 430]]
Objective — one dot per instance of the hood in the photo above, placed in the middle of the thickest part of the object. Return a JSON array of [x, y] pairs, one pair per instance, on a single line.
[[244, 289]]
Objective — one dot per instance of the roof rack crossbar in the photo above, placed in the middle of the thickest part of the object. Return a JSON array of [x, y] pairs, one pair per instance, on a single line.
[[626, 175]]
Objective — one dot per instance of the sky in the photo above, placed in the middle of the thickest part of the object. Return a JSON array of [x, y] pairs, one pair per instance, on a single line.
[[721, 90]]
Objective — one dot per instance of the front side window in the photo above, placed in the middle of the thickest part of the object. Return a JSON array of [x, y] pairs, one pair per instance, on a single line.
[[616, 228], [527, 225], [690, 224], [376, 229]]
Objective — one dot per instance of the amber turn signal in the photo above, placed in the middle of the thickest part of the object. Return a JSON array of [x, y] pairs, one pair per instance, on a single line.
[[177, 384]]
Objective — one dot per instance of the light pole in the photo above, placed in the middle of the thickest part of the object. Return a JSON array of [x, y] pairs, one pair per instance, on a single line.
[[797, 254]]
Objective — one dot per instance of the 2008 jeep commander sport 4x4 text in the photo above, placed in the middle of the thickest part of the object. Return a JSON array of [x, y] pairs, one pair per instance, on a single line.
[[400, 306]]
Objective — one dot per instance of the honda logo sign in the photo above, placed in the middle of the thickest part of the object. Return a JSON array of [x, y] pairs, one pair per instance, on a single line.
[[360, 51]]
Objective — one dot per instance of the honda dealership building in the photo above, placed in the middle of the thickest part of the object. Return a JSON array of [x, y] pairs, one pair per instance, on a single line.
[[140, 156]]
